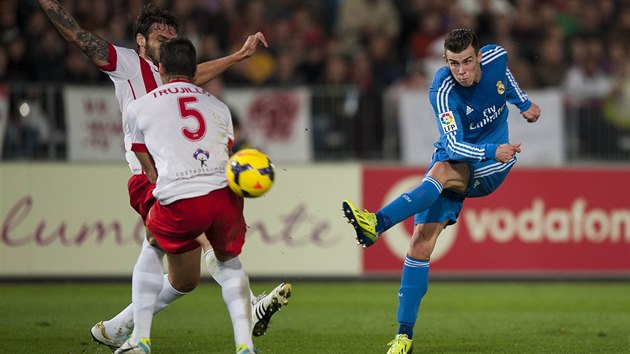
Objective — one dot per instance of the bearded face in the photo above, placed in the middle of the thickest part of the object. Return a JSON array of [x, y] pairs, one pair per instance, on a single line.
[[158, 34]]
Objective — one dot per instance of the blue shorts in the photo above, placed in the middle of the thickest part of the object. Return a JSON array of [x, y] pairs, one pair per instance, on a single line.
[[485, 178]]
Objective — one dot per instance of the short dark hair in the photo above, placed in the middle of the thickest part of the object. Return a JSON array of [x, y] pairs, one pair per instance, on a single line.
[[179, 57], [459, 39], [151, 14]]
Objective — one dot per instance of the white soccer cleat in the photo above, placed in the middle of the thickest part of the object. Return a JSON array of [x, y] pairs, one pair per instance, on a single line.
[[100, 336], [266, 305], [142, 347]]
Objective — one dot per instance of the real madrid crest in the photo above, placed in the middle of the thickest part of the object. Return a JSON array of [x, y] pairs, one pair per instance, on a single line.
[[500, 87]]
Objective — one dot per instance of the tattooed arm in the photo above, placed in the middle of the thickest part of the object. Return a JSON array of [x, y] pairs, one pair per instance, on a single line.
[[92, 45]]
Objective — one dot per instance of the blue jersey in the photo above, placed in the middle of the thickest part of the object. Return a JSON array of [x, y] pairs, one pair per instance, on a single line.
[[473, 120]]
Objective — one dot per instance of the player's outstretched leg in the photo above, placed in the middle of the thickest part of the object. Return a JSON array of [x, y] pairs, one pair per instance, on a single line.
[[265, 305], [364, 223], [400, 345]]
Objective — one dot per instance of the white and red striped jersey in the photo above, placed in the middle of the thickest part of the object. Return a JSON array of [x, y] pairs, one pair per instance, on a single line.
[[188, 132], [133, 77]]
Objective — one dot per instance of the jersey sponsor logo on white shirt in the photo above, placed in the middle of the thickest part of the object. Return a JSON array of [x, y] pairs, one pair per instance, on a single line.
[[202, 156], [447, 121]]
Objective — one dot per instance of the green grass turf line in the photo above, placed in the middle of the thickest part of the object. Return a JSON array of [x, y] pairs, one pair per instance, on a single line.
[[337, 318]]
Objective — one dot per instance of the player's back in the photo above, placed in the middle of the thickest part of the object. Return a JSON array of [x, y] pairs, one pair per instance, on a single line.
[[187, 131], [133, 77]]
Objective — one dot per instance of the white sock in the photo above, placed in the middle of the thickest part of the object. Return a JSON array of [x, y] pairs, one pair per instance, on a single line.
[[146, 284], [167, 295], [213, 269], [235, 290], [211, 263], [121, 325]]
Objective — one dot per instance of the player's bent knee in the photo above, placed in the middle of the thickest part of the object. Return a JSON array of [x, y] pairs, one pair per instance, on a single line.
[[184, 285], [422, 251], [224, 257]]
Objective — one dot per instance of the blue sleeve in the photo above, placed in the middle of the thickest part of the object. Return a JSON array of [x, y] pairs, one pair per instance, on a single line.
[[448, 114], [514, 94]]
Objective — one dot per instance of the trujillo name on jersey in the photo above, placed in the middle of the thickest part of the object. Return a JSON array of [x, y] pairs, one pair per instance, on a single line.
[[472, 120]]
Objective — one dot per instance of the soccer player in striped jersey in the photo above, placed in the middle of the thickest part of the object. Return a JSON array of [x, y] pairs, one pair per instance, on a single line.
[[472, 158], [134, 74], [183, 137]]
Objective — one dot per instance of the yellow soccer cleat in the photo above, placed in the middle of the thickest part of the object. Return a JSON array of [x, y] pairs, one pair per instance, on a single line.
[[242, 349], [364, 223], [142, 347], [400, 345]]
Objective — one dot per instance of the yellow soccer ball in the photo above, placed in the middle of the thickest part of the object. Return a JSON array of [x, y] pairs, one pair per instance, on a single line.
[[250, 173]]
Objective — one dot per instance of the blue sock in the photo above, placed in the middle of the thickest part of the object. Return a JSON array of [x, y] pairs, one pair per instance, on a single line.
[[413, 286], [408, 204]]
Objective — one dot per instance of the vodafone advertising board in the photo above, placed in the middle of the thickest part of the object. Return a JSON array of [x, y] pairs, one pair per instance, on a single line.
[[539, 222]]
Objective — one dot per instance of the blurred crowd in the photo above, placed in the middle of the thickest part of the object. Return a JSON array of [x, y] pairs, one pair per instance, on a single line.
[[368, 42], [579, 45]]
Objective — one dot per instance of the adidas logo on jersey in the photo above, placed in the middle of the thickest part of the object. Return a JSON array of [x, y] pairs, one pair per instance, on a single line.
[[469, 110]]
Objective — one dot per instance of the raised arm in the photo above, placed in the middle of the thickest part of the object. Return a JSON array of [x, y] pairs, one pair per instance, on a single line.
[[92, 45], [208, 70]]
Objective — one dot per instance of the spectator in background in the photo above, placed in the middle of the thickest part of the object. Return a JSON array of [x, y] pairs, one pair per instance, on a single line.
[[79, 69], [19, 62], [49, 59], [484, 12], [331, 113], [587, 85], [309, 40], [616, 108], [285, 73], [4, 64], [535, 30], [415, 79], [427, 30], [586, 81], [28, 128], [359, 19], [254, 18], [550, 69], [209, 48], [367, 103], [240, 135], [386, 67]]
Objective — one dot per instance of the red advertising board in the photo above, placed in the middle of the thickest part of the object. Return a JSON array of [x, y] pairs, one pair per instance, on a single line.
[[539, 222]]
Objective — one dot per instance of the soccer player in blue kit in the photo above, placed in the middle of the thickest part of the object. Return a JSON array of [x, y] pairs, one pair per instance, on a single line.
[[472, 158]]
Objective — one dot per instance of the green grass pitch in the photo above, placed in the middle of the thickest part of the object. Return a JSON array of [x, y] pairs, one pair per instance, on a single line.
[[337, 318]]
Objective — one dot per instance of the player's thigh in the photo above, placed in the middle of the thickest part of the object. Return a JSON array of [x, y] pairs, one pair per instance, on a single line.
[[227, 232], [203, 241], [141, 194], [184, 269], [487, 176], [453, 175], [176, 226], [446, 208]]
